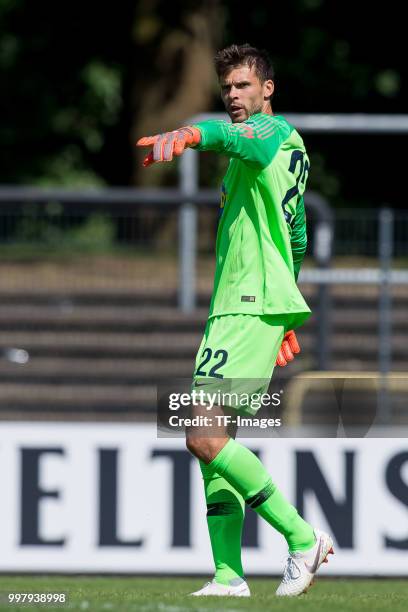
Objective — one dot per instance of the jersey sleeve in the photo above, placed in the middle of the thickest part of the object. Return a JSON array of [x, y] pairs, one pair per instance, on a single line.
[[298, 239], [255, 141]]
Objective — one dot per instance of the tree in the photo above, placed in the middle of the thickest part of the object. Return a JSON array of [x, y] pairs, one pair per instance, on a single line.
[[176, 42]]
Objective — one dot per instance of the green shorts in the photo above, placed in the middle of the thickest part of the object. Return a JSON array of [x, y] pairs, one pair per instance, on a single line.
[[237, 357]]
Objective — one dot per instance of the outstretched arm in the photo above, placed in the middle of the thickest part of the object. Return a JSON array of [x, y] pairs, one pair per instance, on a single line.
[[255, 142]]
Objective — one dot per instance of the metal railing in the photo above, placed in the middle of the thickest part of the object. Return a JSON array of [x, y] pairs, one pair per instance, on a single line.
[[129, 204]]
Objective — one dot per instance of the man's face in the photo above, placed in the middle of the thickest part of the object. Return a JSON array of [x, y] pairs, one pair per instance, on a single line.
[[243, 93]]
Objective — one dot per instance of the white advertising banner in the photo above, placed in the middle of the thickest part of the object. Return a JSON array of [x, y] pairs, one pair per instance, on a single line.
[[92, 497]]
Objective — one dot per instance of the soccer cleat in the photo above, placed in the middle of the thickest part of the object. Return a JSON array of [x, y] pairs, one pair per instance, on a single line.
[[302, 566], [223, 590]]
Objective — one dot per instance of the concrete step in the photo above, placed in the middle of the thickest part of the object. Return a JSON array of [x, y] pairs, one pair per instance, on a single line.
[[88, 398], [93, 344], [180, 345], [68, 316], [353, 364], [137, 295], [161, 294], [95, 371]]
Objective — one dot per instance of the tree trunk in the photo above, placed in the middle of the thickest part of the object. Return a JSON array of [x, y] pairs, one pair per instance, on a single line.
[[178, 79]]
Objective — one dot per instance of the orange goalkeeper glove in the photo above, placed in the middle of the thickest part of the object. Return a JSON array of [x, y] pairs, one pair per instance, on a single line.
[[168, 144], [289, 348]]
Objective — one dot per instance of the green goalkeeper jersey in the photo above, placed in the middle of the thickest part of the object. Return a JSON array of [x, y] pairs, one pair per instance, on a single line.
[[261, 237]]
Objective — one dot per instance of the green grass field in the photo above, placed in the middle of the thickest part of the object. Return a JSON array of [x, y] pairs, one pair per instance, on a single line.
[[169, 595]]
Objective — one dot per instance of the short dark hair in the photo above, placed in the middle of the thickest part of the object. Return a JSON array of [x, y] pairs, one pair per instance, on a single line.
[[237, 55]]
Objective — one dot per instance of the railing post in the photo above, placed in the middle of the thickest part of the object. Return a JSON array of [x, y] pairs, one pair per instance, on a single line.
[[188, 173], [322, 253], [385, 252]]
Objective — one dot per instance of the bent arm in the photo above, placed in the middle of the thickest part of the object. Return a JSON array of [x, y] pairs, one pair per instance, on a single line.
[[298, 239]]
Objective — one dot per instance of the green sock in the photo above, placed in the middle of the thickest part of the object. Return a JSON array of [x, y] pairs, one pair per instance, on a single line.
[[225, 518], [244, 471]]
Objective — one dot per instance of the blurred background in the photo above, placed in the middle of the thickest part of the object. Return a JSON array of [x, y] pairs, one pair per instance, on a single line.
[[105, 271], [106, 268]]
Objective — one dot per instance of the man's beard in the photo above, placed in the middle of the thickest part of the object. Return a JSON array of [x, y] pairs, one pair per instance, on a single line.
[[253, 111]]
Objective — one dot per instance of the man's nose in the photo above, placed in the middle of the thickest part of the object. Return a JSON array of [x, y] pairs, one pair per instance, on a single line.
[[233, 93]]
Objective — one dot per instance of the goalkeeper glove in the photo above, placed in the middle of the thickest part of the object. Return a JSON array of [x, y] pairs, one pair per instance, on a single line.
[[168, 144], [289, 348]]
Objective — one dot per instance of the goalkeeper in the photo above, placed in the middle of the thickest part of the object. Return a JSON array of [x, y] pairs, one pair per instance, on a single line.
[[256, 304]]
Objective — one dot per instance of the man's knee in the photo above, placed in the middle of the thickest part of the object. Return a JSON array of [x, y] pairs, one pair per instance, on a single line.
[[195, 445], [205, 449]]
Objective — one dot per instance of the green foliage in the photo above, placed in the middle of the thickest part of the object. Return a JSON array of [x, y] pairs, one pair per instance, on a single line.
[[100, 107], [388, 83], [68, 76], [63, 75], [50, 232], [68, 168], [95, 234], [322, 179]]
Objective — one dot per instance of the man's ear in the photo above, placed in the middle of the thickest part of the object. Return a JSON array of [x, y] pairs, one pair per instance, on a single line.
[[269, 88]]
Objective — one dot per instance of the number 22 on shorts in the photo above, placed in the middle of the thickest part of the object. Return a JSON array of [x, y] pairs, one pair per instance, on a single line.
[[220, 355]]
